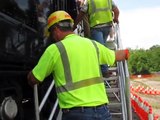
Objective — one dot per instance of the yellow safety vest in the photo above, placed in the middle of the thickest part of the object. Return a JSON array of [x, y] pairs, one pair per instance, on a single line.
[[100, 12]]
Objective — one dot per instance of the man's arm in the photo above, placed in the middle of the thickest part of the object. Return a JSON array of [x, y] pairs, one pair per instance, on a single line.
[[115, 13], [82, 12], [78, 19], [31, 79]]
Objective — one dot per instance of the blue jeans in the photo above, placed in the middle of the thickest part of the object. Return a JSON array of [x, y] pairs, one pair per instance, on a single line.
[[92, 113], [100, 35]]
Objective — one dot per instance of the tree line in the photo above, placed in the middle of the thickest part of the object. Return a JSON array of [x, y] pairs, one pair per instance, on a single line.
[[143, 61]]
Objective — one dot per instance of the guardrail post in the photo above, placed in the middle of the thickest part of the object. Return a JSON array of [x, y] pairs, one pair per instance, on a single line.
[[36, 102]]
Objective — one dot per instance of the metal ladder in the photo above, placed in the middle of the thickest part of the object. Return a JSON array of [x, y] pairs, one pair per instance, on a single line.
[[117, 84]]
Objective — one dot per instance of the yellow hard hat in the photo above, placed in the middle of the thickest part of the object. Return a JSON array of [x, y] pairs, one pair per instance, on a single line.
[[58, 16]]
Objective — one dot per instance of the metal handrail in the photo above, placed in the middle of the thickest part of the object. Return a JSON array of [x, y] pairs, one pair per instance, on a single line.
[[36, 102], [128, 92], [124, 80], [122, 91], [38, 107], [53, 110], [46, 96]]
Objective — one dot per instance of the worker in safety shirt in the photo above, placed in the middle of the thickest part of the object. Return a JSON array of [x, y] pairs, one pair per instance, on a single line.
[[74, 63], [101, 14]]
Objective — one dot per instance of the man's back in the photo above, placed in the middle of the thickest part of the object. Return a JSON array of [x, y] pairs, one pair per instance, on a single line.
[[78, 59]]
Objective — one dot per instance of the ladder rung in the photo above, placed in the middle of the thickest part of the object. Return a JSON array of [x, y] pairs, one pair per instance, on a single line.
[[113, 105], [116, 113], [110, 90], [112, 68], [111, 78]]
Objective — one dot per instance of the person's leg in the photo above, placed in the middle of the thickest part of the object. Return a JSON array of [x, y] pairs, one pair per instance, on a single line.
[[106, 31], [97, 35], [100, 34]]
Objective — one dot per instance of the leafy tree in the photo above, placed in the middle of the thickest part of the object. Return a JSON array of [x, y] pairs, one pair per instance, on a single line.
[[144, 61], [154, 54], [138, 62]]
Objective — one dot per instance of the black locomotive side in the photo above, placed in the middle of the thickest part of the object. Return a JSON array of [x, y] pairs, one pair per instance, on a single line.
[[22, 41]]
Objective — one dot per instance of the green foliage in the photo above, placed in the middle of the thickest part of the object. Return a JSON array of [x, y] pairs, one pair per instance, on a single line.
[[144, 61]]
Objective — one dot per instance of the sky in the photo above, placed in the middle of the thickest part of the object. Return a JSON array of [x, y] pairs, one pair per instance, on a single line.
[[139, 23]]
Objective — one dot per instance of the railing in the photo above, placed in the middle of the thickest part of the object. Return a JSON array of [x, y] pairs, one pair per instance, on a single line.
[[124, 81], [38, 107]]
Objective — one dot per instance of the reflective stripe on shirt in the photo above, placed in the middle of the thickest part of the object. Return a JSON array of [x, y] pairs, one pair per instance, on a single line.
[[70, 85]]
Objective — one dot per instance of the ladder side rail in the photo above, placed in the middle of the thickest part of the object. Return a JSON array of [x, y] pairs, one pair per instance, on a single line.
[[128, 91], [36, 102], [118, 40], [121, 76], [46, 95], [121, 79], [122, 91], [127, 82], [38, 107]]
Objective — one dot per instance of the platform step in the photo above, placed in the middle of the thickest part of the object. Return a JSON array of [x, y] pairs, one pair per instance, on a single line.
[[116, 113], [111, 90], [114, 105], [114, 69], [110, 78]]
